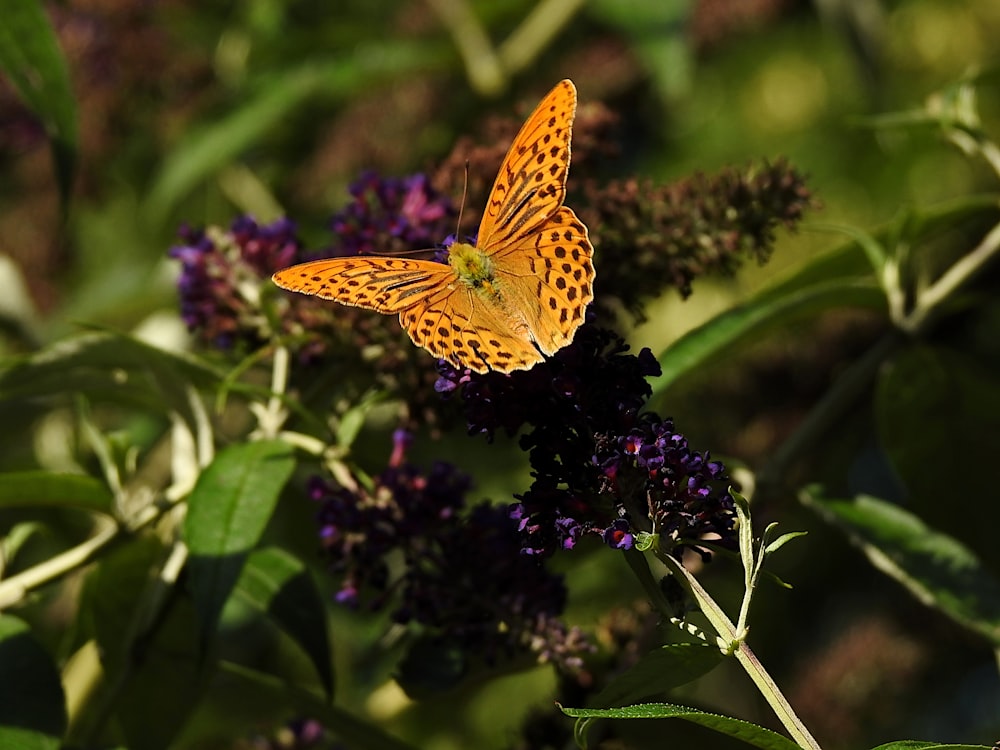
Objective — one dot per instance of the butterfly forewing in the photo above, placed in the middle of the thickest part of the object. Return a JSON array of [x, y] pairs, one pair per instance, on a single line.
[[531, 184], [388, 285]]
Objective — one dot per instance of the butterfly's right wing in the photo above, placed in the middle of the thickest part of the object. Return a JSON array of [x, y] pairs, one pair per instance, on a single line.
[[531, 184], [387, 285]]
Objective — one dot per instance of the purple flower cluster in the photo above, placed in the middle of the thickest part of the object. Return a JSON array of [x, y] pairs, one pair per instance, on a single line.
[[229, 302], [463, 578], [222, 273], [682, 490], [601, 467], [391, 215]]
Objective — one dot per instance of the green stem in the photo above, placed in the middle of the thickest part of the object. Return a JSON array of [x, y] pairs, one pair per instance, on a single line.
[[748, 660], [930, 300], [14, 589]]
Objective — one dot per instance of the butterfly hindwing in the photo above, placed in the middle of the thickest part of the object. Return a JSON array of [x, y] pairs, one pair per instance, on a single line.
[[462, 328], [551, 276]]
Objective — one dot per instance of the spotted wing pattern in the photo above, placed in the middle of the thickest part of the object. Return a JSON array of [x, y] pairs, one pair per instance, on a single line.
[[388, 285], [540, 275], [467, 330], [549, 277], [531, 183]]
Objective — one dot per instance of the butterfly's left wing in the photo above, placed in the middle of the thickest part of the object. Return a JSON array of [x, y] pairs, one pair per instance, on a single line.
[[531, 184], [387, 285]]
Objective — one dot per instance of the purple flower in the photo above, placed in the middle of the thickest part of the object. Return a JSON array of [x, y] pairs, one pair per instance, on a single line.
[[390, 215], [439, 581], [601, 466], [222, 274]]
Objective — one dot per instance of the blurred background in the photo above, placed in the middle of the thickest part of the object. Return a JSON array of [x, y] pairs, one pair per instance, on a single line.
[[196, 112]]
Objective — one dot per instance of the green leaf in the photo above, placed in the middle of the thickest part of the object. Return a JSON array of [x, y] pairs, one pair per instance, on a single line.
[[277, 583], [659, 671], [919, 745], [30, 55], [936, 568], [167, 680], [838, 278], [741, 730], [207, 151], [32, 704], [43, 488], [345, 725], [227, 511], [719, 336], [782, 540], [114, 589]]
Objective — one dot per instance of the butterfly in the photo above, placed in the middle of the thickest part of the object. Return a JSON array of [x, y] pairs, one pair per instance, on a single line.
[[515, 296]]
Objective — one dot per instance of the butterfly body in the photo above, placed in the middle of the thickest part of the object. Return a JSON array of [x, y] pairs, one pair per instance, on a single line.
[[473, 267], [515, 296]]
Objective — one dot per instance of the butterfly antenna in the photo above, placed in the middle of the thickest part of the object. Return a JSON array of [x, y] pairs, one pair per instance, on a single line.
[[461, 206]]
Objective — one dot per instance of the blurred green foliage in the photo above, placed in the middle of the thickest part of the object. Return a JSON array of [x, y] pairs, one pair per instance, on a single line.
[[197, 112]]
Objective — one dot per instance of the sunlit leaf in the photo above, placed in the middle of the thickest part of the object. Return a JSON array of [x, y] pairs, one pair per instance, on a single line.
[[719, 336], [741, 730], [227, 512]]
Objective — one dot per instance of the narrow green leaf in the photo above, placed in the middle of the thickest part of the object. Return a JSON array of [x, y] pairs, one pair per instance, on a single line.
[[658, 671], [277, 583], [207, 151], [30, 55], [32, 704], [227, 511], [919, 745], [720, 335], [39, 373], [43, 488], [841, 277], [782, 540], [741, 730], [936, 568], [14, 540]]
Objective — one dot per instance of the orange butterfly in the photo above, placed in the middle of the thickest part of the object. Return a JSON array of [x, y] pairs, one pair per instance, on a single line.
[[518, 294]]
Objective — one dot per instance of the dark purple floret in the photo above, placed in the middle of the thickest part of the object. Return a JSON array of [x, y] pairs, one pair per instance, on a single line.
[[460, 575], [601, 466], [389, 215], [221, 273]]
